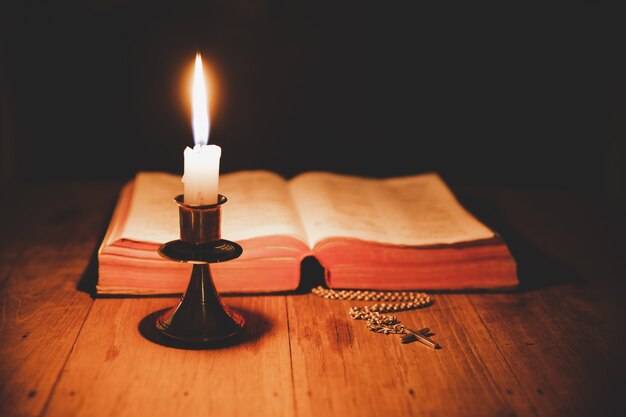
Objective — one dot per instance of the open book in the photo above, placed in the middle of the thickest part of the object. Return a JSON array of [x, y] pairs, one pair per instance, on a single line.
[[387, 234]]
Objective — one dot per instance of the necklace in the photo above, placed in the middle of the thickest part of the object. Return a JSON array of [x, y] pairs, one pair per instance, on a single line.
[[376, 314]]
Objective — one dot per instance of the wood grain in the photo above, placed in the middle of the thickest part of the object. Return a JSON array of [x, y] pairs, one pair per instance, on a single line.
[[565, 336], [46, 252], [340, 366], [568, 367], [554, 348], [114, 370]]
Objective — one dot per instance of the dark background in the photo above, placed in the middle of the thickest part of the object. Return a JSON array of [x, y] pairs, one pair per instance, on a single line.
[[528, 95]]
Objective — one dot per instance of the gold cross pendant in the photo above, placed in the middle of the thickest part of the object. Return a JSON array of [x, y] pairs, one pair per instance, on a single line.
[[421, 335]]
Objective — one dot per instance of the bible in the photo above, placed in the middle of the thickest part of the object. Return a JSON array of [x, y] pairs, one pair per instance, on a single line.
[[383, 234]]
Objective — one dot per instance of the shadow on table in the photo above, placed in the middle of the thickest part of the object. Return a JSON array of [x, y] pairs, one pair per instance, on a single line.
[[256, 326], [311, 275], [536, 269], [89, 279]]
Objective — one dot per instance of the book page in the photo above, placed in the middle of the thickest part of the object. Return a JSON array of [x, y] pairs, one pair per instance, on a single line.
[[259, 204], [412, 211]]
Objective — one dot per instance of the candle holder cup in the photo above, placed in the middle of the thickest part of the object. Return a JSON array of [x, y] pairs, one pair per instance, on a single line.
[[200, 316]]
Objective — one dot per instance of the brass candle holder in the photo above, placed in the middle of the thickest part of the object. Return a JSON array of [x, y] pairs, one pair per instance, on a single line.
[[200, 316]]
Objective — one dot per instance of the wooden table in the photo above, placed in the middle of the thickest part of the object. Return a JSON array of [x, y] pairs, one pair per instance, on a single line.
[[553, 348]]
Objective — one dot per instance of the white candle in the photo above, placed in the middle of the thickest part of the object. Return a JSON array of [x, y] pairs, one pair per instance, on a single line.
[[202, 163], [202, 166]]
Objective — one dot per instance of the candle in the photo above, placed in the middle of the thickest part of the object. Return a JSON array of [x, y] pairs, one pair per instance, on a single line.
[[202, 163]]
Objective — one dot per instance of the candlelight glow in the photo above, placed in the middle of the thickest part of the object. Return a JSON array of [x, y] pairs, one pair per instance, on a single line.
[[200, 107]]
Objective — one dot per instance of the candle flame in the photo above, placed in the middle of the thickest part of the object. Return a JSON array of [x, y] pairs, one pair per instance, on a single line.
[[200, 107]]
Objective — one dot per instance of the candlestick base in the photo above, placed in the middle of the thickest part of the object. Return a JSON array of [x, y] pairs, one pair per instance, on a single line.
[[200, 316]]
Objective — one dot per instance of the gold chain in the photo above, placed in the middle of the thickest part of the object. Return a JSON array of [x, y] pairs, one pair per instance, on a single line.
[[377, 321]]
